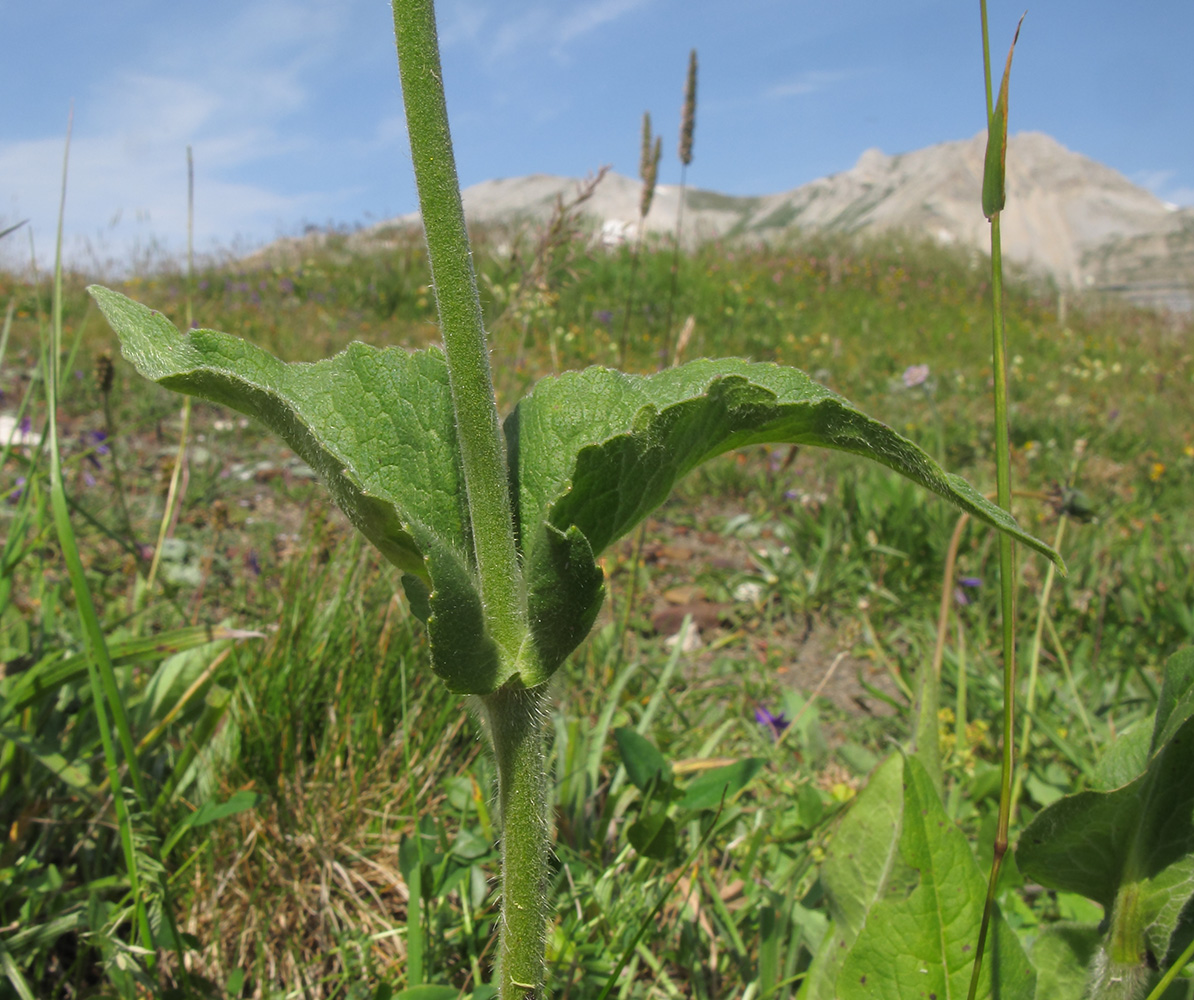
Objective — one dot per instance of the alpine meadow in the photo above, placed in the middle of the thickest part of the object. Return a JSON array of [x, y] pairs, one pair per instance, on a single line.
[[577, 643]]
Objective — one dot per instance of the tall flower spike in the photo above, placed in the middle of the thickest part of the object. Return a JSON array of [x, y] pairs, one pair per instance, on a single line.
[[688, 115], [644, 156], [649, 178]]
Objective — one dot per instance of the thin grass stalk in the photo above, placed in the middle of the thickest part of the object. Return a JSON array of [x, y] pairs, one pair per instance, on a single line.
[[4, 331], [104, 692], [928, 742], [104, 375], [687, 132], [190, 308], [172, 496], [1034, 668], [1007, 567], [648, 171], [1172, 973], [1064, 660]]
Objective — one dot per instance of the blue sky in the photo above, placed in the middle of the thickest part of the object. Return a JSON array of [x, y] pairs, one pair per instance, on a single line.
[[293, 106]]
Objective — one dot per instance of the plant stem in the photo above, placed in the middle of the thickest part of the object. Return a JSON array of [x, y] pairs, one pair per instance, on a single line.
[[514, 720], [514, 716], [482, 455], [1007, 566]]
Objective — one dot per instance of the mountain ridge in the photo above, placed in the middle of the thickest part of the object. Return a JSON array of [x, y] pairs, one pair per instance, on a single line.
[[1068, 218]]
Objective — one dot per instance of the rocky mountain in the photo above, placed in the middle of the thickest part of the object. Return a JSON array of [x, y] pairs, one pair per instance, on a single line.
[[1067, 217]]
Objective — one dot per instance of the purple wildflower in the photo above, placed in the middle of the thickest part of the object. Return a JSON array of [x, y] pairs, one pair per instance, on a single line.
[[96, 440], [971, 582], [26, 425], [603, 316], [778, 723], [15, 495], [252, 563]]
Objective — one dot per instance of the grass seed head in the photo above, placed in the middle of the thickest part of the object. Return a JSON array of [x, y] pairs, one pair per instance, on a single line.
[[649, 177], [688, 114], [644, 156]]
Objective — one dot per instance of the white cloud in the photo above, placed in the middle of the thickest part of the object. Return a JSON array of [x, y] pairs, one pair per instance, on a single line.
[[127, 179], [809, 82], [536, 24], [593, 15], [1162, 184]]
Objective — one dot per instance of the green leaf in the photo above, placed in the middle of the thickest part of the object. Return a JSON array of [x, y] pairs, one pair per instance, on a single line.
[[918, 941], [643, 762], [1130, 849], [653, 835], [1125, 760], [377, 427], [1176, 703], [1062, 956], [18, 692], [858, 863], [598, 450], [995, 166], [427, 991], [212, 812], [706, 792], [591, 453], [49, 757]]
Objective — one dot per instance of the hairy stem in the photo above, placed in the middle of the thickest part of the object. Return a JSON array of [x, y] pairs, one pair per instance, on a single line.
[[482, 454], [514, 719], [513, 716]]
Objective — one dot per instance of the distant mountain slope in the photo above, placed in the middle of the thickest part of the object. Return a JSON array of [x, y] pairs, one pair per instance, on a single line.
[[1067, 217], [1081, 223]]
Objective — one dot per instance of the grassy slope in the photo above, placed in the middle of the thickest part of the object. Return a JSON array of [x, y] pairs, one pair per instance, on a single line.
[[333, 716]]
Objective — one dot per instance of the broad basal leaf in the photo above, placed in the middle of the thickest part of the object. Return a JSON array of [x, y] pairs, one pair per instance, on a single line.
[[591, 453], [1132, 848], [1062, 955], [377, 427], [919, 941], [859, 861], [596, 451]]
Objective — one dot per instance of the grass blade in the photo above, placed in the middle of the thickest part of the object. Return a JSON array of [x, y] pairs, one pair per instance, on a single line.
[[105, 695]]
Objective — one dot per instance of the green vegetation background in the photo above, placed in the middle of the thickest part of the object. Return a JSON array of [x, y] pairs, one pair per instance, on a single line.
[[356, 847]]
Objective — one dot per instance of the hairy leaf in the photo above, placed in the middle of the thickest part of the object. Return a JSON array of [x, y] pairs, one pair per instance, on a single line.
[[919, 942], [591, 453], [1132, 848], [598, 450], [858, 864], [1062, 955], [376, 425]]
